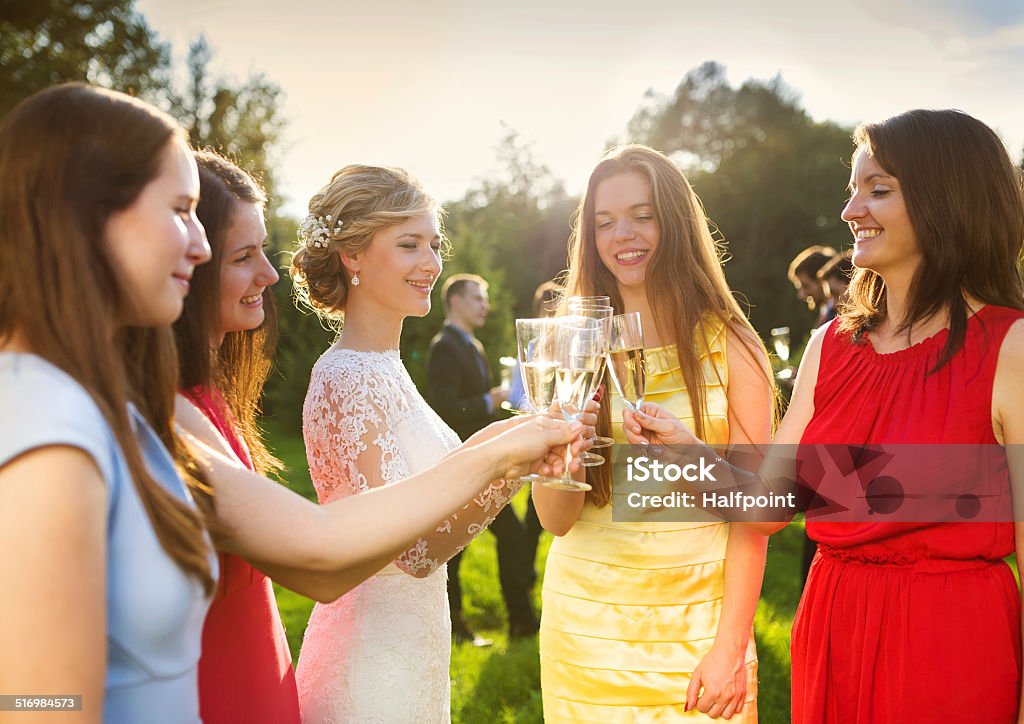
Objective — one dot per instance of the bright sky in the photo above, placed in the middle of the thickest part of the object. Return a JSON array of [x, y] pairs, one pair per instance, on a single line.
[[432, 85]]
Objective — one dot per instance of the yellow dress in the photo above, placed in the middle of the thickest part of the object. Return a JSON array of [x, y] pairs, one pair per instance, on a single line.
[[629, 609]]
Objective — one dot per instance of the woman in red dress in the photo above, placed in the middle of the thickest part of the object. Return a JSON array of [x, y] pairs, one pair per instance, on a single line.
[[225, 339], [914, 622]]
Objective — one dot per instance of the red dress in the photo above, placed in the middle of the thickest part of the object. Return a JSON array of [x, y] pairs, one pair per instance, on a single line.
[[245, 669], [904, 622]]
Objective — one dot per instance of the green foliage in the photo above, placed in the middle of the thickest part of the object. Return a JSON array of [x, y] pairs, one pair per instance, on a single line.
[[238, 120], [302, 338], [771, 178], [511, 229], [105, 42]]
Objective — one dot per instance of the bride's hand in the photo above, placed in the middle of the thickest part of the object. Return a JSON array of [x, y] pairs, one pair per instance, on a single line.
[[588, 420], [492, 430], [536, 444], [651, 425]]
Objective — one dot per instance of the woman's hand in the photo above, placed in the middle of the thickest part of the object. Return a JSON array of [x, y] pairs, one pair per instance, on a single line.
[[536, 443], [651, 425], [723, 676]]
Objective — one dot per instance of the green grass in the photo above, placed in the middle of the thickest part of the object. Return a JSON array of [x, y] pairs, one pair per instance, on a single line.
[[502, 683]]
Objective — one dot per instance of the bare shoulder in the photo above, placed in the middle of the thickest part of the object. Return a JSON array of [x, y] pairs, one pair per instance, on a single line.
[[1012, 350], [1007, 392], [1010, 365]]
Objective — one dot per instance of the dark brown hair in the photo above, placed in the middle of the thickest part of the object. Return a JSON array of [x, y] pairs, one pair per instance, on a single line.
[[687, 252], [964, 199], [809, 261], [239, 367], [458, 284], [70, 156]]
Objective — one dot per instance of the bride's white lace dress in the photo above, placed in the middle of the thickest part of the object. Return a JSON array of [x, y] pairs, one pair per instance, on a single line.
[[381, 652]]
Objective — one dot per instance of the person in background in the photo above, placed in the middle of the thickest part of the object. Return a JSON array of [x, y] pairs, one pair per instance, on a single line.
[[460, 391], [803, 273], [835, 279]]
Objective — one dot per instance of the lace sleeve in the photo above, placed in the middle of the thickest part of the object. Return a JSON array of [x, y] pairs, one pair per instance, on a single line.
[[365, 425], [349, 444], [430, 553]]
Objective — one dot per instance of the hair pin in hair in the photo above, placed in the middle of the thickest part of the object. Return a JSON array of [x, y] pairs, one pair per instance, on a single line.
[[316, 230]]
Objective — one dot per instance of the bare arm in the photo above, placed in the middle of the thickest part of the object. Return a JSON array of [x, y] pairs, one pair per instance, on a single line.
[[53, 516], [654, 426], [1008, 422], [722, 672], [324, 551], [558, 510]]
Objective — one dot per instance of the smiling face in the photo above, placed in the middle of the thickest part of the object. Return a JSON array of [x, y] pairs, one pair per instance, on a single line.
[[625, 229], [884, 238], [398, 269], [156, 242], [245, 271]]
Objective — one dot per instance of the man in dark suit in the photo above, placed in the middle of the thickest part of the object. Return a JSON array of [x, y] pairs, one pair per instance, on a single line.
[[460, 391]]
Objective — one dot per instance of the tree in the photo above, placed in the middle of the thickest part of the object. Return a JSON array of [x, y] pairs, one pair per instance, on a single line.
[[241, 121], [510, 228], [105, 42], [771, 178]]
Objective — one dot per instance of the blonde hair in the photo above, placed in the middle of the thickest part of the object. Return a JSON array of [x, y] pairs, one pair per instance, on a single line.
[[358, 202]]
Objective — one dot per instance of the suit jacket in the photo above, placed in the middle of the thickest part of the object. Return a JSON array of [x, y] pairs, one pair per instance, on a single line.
[[456, 384]]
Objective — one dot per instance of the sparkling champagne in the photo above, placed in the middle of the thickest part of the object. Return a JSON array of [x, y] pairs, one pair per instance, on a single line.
[[629, 370], [575, 386], [539, 381]]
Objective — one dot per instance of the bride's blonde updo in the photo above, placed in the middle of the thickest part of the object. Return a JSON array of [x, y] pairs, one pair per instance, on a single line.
[[343, 216]]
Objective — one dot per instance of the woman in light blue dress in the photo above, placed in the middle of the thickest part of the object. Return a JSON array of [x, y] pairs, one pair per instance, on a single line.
[[107, 524]]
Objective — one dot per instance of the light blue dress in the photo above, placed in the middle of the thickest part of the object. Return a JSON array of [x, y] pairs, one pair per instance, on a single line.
[[155, 612]]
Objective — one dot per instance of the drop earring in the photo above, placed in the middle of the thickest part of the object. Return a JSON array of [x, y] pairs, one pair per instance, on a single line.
[[355, 279]]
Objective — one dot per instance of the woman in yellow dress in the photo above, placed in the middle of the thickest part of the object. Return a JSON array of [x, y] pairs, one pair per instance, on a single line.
[[652, 621]]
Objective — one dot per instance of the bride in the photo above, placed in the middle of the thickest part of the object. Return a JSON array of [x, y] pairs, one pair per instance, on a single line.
[[370, 253]]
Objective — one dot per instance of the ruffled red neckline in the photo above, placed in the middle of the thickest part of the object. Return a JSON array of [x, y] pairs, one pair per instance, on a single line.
[[927, 345]]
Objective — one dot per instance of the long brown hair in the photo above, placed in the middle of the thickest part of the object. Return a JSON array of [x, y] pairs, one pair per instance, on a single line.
[[240, 366], [964, 200], [70, 156], [686, 253]]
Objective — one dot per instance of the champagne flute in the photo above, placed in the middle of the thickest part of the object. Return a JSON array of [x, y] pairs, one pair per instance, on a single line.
[[579, 348], [626, 359], [603, 314], [538, 365], [601, 301]]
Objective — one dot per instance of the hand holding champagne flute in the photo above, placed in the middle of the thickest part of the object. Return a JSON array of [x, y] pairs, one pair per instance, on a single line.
[[538, 365], [603, 313], [580, 346]]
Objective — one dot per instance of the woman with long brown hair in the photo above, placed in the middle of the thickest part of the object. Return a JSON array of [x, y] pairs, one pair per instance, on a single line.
[[914, 621], [225, 339], [653, 619], [103, 512]]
